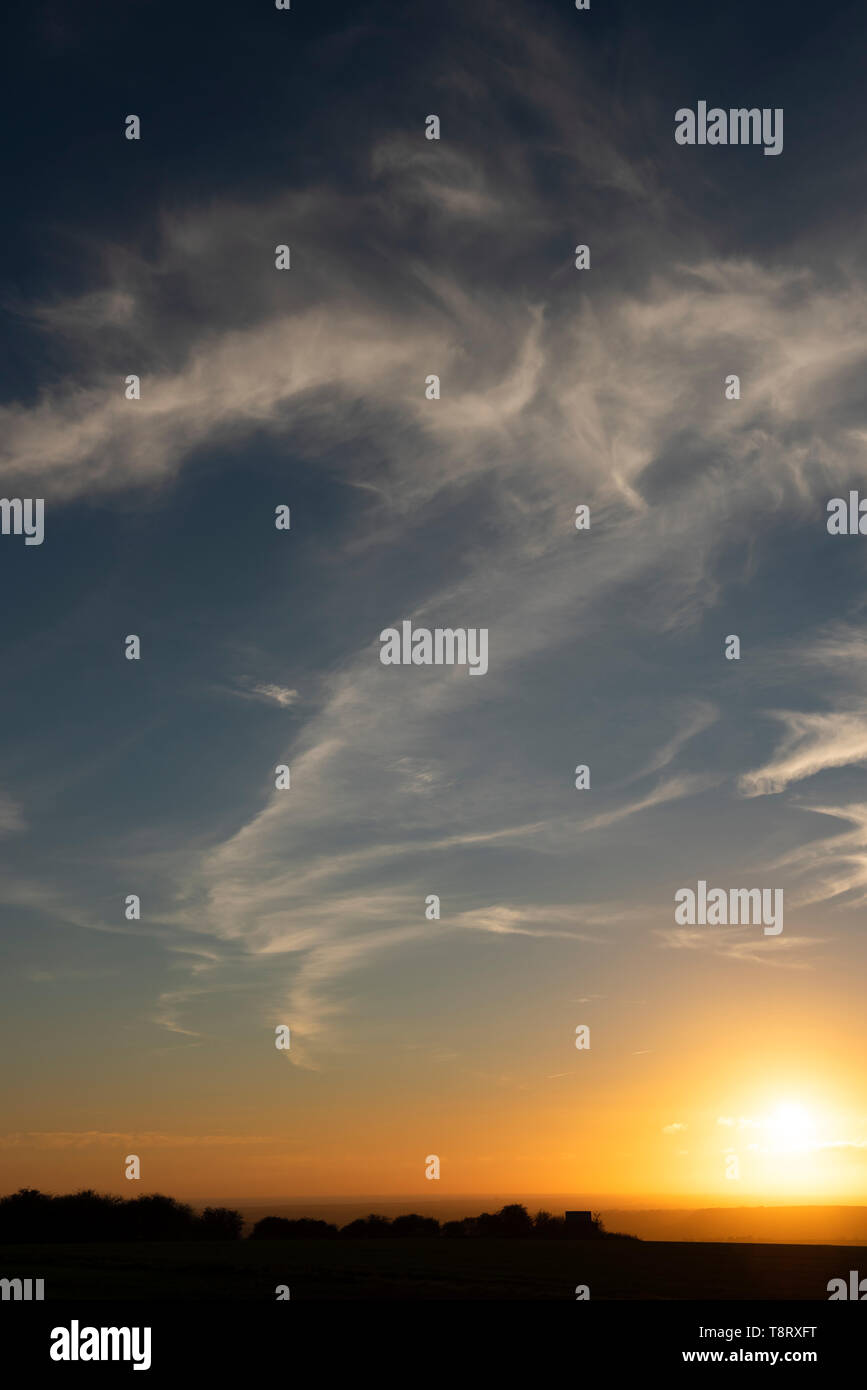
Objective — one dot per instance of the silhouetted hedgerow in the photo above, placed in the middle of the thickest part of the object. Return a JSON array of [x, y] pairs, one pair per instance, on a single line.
[[29, 1217], [511, 1222]]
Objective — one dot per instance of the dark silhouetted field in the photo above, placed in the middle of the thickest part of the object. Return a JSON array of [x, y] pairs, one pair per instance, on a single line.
[[450, 1269]]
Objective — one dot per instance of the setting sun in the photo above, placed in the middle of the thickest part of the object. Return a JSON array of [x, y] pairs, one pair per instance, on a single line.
[[791, 1126]]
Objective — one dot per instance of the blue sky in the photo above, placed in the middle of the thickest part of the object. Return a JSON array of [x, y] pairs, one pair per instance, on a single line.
[[260, 647]]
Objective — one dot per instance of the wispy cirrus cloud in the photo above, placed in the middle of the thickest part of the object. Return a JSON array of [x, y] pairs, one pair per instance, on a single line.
[[783, 952], [552, 395], [811, 744], [269, 693]]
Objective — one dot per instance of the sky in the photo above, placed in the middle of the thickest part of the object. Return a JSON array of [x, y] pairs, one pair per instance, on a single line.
[[304, 388]]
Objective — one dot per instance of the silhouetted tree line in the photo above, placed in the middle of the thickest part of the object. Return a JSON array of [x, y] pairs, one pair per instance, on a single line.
[[508, 1223], [30, 1216]]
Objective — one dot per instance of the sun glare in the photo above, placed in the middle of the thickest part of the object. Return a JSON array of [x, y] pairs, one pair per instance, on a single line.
[[790, 1125]]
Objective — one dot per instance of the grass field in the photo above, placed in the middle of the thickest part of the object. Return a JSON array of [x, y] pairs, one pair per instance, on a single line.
[[451, 1269]]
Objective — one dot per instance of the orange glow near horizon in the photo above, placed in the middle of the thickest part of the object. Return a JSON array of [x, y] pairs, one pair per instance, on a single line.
[[794, 1142]]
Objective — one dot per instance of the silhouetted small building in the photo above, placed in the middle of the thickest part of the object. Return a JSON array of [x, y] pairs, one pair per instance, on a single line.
[[578, 1222]]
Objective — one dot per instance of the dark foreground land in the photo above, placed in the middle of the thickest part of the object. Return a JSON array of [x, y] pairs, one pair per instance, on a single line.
[[424, 1269]]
